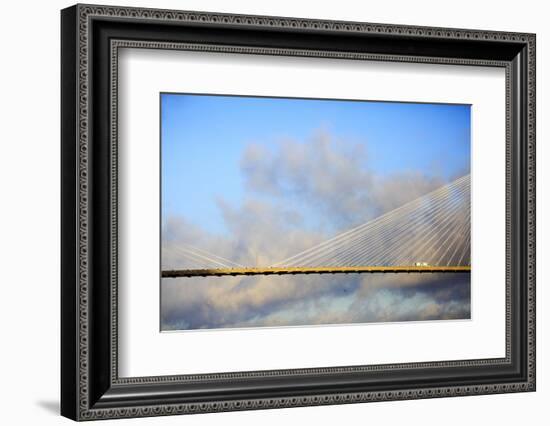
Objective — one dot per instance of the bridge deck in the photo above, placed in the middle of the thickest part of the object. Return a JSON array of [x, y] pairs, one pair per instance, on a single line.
[[310, 270]]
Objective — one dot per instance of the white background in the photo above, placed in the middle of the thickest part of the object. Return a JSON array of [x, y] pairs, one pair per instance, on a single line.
[[146, 352], [29, 225]]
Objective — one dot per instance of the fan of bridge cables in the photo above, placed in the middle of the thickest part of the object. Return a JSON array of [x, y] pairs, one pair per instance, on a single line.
[[433, 230], [194, 257]]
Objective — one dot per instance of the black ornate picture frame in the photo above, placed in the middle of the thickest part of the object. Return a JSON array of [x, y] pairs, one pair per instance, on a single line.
[[90, 384]]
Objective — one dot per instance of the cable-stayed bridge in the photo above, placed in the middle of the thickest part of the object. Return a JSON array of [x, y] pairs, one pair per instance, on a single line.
[[428, 234]]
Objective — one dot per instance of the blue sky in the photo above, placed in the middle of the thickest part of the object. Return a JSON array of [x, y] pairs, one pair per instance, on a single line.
[[204, 137]]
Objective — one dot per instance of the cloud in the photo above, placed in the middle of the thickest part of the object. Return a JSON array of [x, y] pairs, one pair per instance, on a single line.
[[331, 176], [298, 194], [217, 302]]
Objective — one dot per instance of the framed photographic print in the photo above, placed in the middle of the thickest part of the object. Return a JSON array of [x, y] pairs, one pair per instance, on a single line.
[[263, 212]]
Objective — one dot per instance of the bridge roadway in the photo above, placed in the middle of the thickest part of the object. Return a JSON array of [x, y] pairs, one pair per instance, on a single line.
[[310, 270]]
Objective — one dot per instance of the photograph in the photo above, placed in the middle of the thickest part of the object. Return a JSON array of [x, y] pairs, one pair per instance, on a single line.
[[281, 212], [268, 207]]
